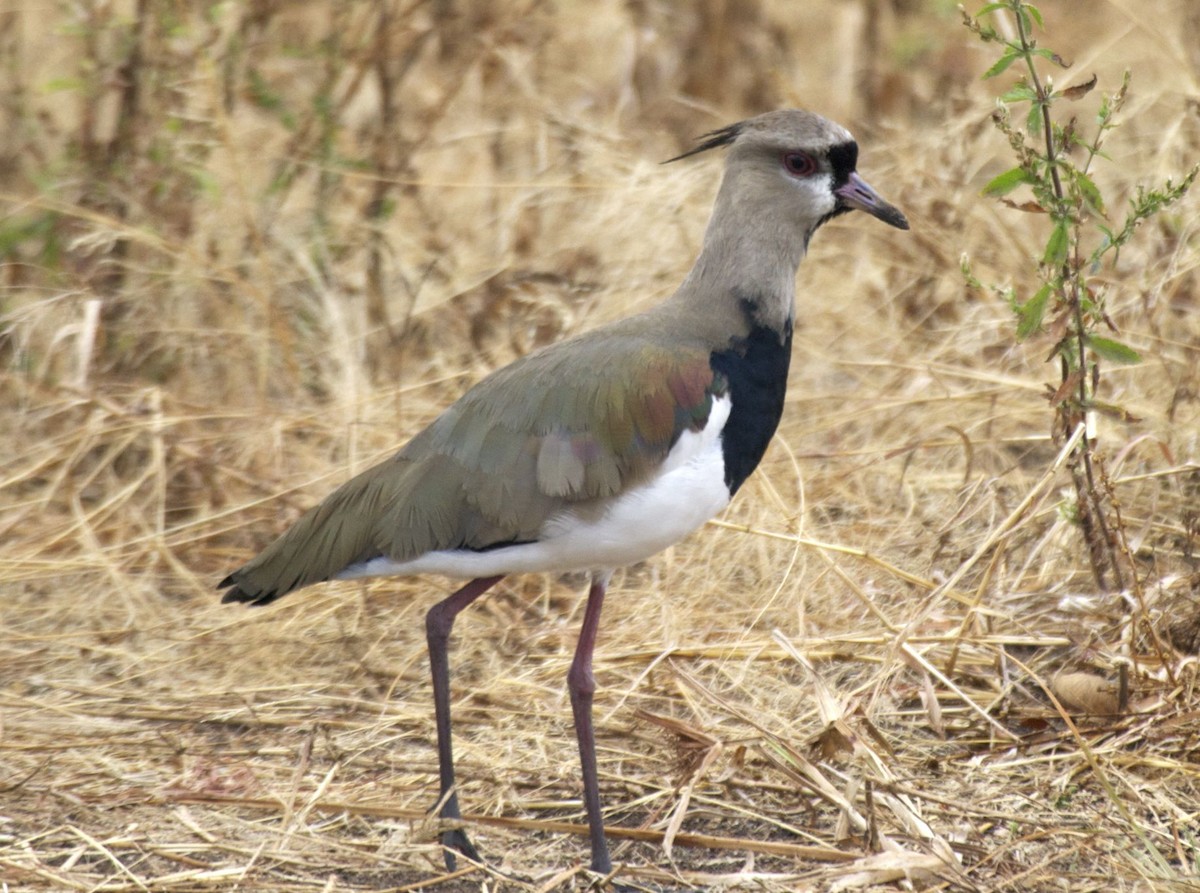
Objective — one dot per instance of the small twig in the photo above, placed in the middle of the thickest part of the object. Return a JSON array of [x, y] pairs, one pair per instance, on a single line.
[[108, 854], [647, 835]]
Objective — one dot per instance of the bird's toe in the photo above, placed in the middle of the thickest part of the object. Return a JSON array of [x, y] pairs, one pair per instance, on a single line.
[[457, 843]]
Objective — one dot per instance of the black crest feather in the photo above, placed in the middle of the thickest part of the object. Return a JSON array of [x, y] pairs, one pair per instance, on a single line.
[[714, 140]]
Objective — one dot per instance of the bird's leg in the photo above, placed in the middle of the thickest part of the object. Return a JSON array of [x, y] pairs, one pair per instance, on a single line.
[[582, 685], [438, 623]]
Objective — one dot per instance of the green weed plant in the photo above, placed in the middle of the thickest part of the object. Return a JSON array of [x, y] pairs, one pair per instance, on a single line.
[[1055, 155]]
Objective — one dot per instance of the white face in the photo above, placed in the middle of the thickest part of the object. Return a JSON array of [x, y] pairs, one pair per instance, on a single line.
[[812, 175], [790, 188], [824, 183]]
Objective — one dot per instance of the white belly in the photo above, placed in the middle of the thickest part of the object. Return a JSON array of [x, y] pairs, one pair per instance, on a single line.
[[688, 490]]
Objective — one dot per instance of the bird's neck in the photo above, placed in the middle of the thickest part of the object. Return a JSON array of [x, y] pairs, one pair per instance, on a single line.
[[746, 272]]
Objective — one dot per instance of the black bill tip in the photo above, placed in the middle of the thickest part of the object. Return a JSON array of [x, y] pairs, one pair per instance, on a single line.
[[857, 194]]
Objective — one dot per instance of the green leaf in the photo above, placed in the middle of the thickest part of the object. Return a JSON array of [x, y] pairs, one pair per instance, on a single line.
[[1031, 313], [1089, 191], [991, 7], [1020, 92], [1057, 245], [1052, 56], [1113, 351], [1007, 182], [1036, 14], [1010, 56], [1113, 411], [1033, 123]]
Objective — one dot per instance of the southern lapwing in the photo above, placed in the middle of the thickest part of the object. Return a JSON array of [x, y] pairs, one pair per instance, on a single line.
[[599, 451]]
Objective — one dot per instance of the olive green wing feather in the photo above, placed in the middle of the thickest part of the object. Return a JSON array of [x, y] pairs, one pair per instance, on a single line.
[[578, 422]]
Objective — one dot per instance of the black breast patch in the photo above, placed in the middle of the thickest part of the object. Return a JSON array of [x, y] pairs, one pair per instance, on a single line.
[[756, 368]]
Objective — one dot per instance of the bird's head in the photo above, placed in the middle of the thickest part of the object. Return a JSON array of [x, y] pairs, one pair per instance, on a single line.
[[792, 166]]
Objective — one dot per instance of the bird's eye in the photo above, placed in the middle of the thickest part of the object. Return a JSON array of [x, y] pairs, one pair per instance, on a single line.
[[799, 164]]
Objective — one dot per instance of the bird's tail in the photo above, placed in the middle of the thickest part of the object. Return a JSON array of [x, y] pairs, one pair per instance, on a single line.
[[331, 536]]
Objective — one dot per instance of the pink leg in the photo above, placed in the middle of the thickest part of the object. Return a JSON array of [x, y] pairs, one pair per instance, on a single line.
[[582, 685], [438, 623]]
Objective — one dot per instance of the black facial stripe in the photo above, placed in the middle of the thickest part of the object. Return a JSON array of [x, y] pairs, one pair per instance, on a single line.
[[843, 158]]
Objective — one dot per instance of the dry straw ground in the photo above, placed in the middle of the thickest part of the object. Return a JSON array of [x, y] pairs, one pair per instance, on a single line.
[[251, 246]]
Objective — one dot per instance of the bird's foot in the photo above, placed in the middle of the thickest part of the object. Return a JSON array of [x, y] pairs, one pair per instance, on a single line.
[[611, 881], [606, 883], [456, 841]]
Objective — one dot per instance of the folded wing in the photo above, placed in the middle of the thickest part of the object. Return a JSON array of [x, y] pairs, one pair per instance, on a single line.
[[578, 422]]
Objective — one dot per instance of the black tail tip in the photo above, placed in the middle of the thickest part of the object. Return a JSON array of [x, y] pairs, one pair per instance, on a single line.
[[245, 596], [248, 598]]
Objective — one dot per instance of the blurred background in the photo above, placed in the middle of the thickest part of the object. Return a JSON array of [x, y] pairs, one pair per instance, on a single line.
[[248, 248]]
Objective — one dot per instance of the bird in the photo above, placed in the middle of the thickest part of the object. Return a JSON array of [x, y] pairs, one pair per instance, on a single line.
[[598, 451]]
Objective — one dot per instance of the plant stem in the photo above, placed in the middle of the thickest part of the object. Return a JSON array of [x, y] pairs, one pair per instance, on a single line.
[[1100, 540], [1042, 100]]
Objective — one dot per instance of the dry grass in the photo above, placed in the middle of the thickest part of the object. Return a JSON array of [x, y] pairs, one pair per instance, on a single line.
[[262, 248]]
